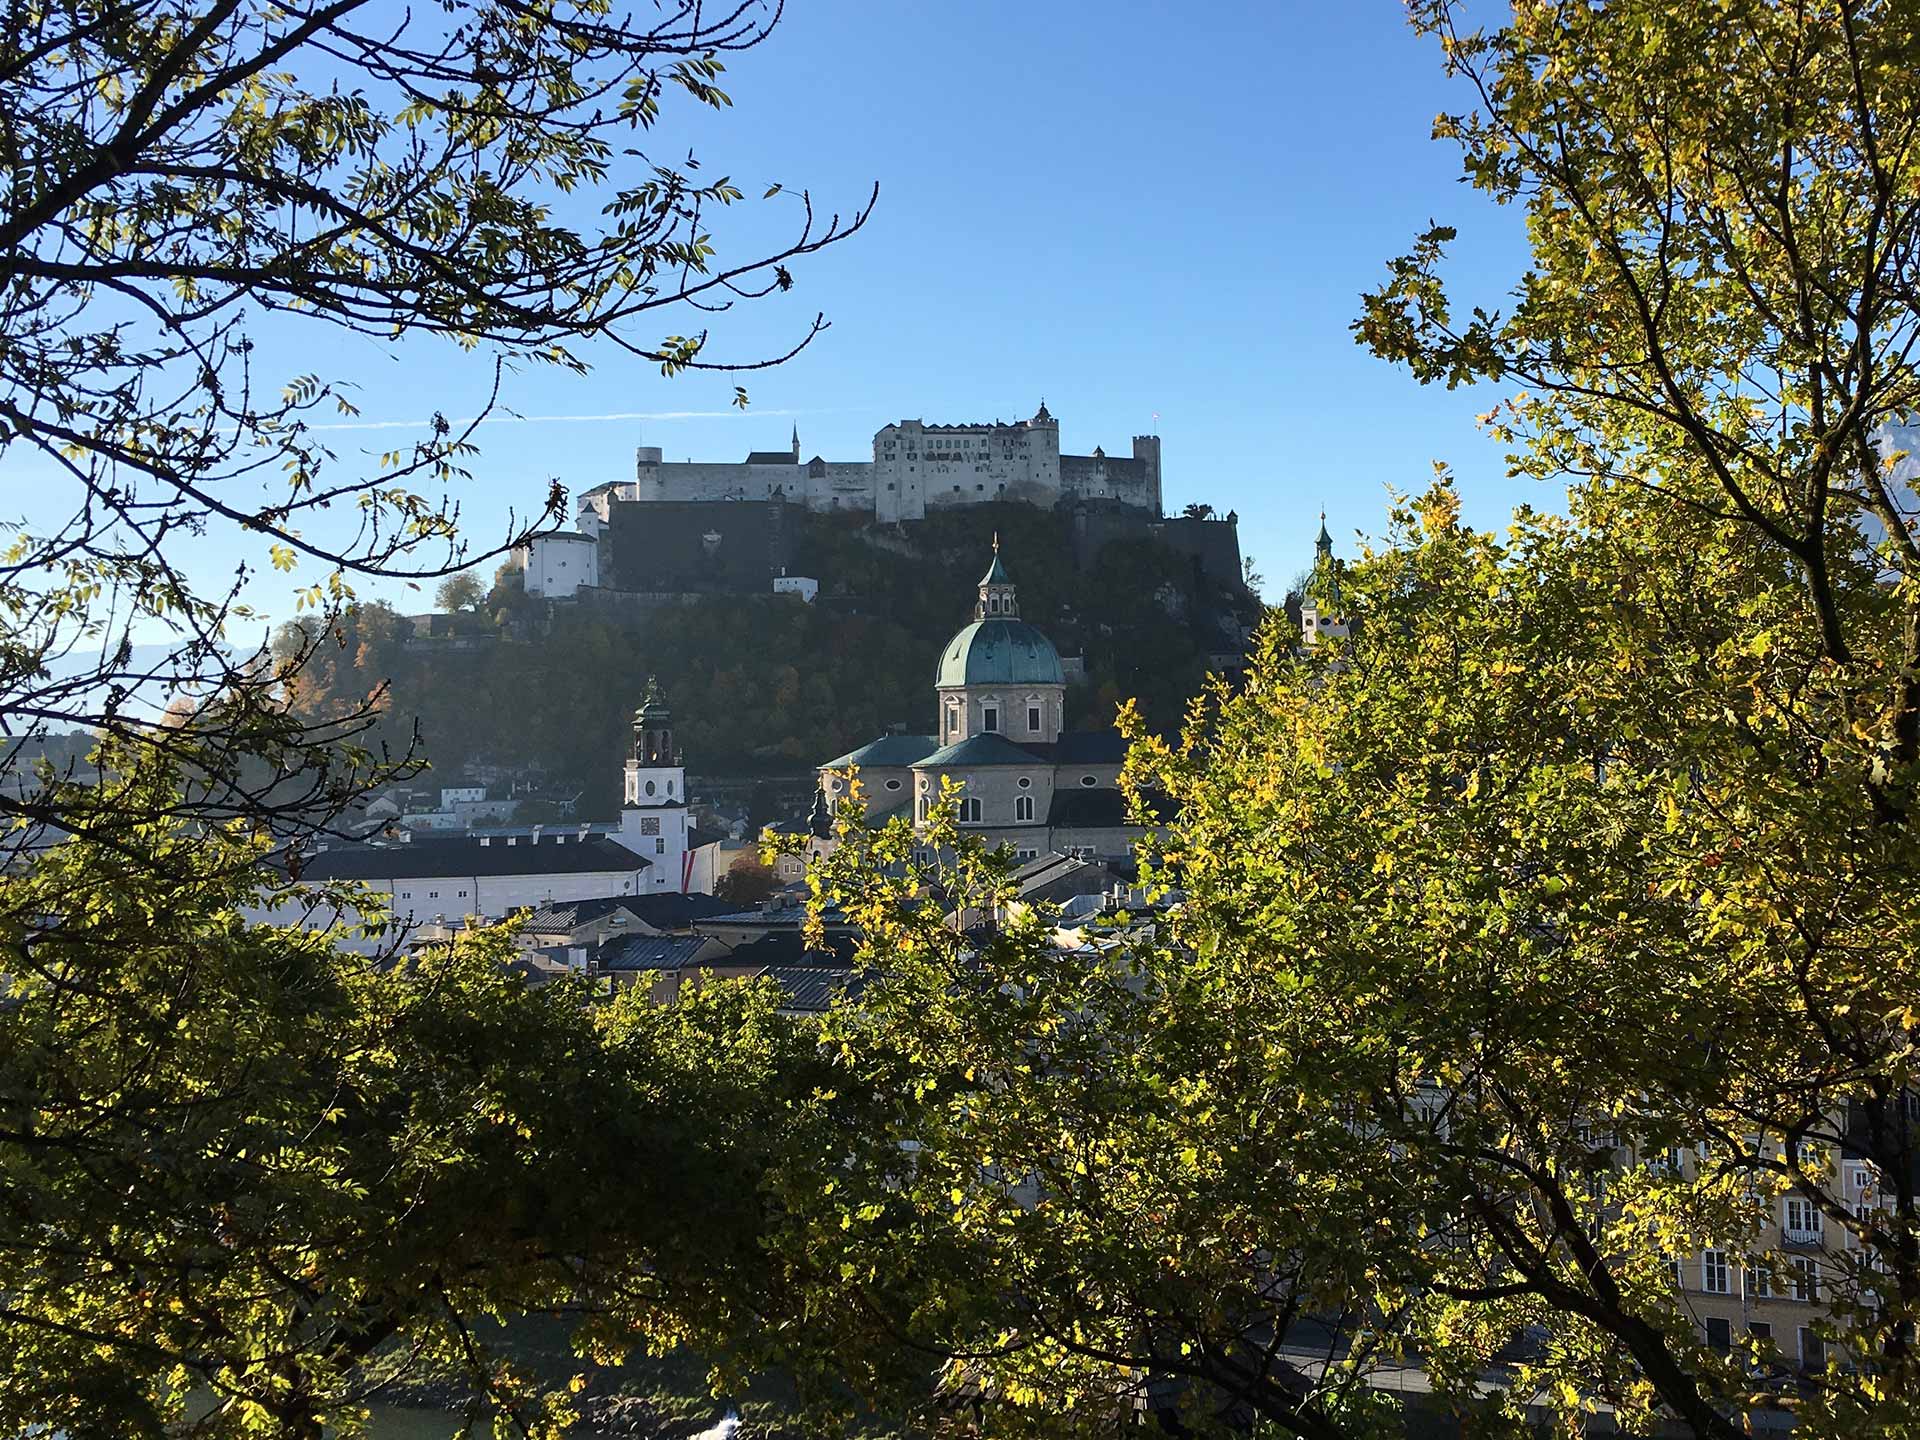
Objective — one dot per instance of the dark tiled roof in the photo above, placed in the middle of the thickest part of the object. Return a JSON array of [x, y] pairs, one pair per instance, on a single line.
[[770, 457], [670, 910], [1098, 808], [888, 750], [1085, 747], [812, 988], [1056, 877], [792, 917], [468, 856], [1087, 807], [568, 914], [650, 952], [980, 750], [786, 947]]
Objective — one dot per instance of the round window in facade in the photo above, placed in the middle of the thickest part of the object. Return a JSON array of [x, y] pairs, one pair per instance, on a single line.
[[1088, 780], [1025, 783], [649, 787], [893, 784]]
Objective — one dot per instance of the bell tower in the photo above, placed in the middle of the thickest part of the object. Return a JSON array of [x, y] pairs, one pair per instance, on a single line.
[[653, 822], [1320, 608]]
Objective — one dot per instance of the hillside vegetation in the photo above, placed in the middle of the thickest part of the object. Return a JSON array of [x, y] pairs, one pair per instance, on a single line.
[[764, 684]]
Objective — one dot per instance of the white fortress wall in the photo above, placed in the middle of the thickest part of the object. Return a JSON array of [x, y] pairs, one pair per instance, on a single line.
[[916, 466]]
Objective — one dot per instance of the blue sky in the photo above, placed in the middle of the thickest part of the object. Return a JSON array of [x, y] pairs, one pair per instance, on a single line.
[[1124, 207]]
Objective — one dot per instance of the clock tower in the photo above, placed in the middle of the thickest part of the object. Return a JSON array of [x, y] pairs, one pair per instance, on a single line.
[[653, 821]]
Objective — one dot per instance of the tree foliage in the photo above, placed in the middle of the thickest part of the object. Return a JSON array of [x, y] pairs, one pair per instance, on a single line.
[[1480, 918], [192, 181], [459, 592], [240, 1161], [1555, 927]]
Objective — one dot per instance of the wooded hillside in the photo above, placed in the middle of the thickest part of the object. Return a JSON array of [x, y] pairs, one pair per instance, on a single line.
[[766, 684]]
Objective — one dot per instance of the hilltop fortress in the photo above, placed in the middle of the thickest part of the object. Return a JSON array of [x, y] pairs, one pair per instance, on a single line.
[[689, 527], [916, 467]]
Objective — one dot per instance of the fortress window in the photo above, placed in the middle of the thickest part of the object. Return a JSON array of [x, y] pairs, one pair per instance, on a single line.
[[1023, 807], [889, 484], [1025, 783], [893, 784], [970, 812], [1088, 781]]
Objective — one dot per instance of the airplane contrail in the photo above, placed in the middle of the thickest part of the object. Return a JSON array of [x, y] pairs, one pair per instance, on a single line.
[[460, 421]]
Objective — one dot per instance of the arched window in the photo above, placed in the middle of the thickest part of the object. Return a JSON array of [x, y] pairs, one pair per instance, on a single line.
[[923, 807], [970, 812], [1023, 807]]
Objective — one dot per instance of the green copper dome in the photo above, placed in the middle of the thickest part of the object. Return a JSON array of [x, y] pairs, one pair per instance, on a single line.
[[999, 652]]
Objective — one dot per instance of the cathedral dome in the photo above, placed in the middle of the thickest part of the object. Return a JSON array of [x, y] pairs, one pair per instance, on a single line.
[[999, 652]]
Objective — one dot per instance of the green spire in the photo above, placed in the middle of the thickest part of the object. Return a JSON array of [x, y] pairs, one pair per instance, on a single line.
[[996, 572], [1324, 587]]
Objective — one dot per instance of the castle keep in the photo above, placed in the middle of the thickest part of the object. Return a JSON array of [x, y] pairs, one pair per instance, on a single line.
[[916, 467]]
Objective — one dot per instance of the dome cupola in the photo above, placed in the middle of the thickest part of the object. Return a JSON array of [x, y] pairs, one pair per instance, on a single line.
[[999, 648]]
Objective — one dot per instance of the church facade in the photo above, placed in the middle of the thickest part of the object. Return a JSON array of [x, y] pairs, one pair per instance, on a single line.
[[1027, 783]]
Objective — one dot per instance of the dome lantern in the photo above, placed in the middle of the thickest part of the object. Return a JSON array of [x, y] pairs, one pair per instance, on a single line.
[[996, 589]]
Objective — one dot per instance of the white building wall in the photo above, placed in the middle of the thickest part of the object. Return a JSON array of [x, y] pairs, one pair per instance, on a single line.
[[915, 467], [655, 823], [918, 467], [557, 565], [420, 899], [658, 836]]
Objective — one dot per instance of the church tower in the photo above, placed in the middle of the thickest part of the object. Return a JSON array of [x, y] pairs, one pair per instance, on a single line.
[[1321, 617], [653, 822]]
